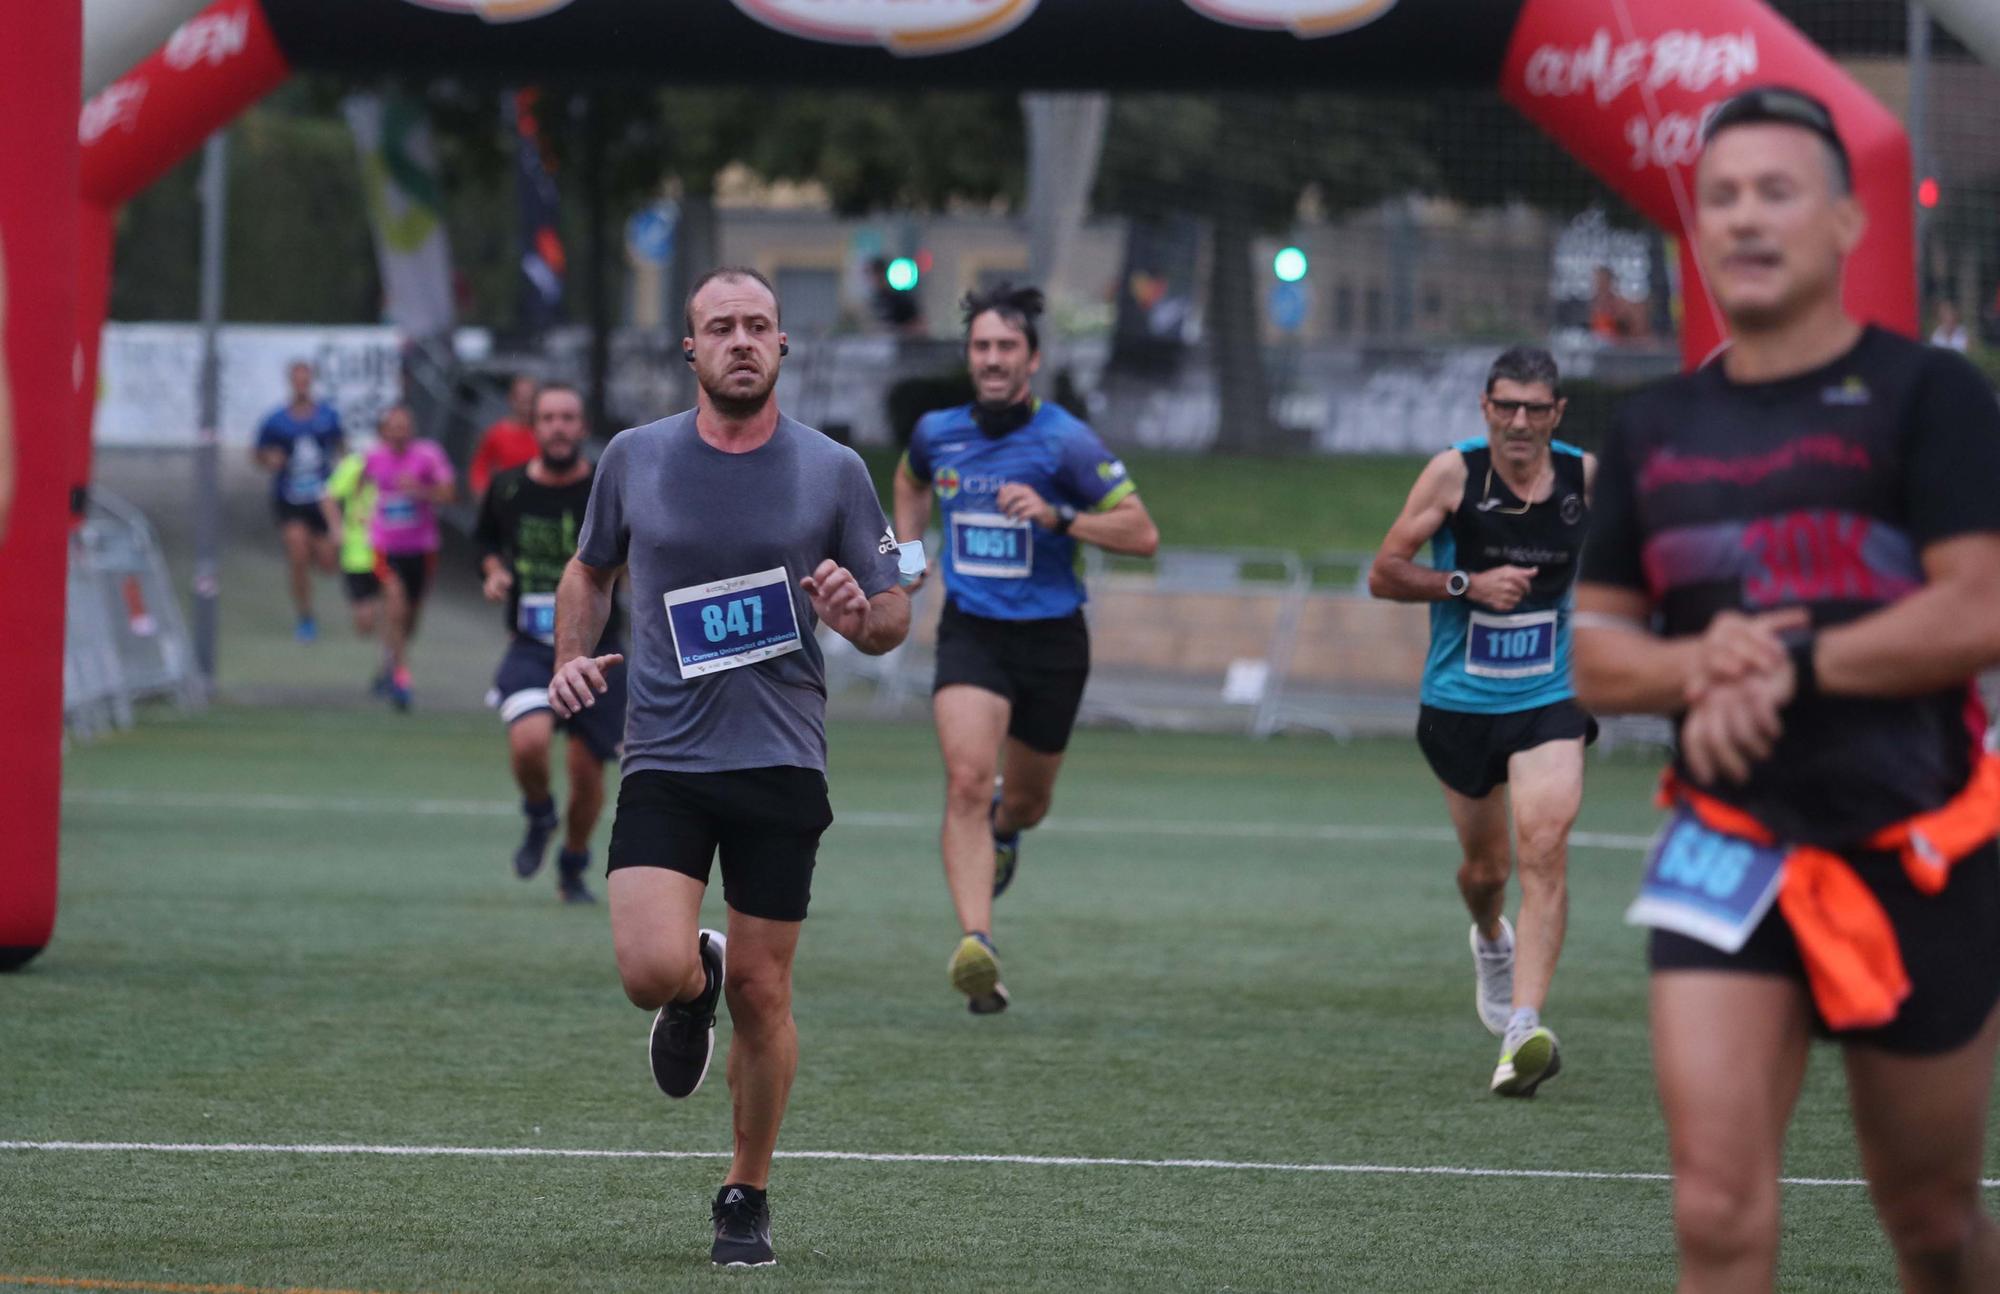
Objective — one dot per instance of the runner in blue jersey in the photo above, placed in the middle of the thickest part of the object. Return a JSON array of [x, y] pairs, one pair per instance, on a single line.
[[1018, 484], [299, 444], [1505, 517]]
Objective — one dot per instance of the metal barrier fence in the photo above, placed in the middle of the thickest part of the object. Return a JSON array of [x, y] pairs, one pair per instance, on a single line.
[[124, 641], [1253, 641]]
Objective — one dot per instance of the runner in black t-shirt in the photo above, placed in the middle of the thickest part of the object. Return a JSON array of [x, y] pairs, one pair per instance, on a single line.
[[1796, 551], [527, 531]]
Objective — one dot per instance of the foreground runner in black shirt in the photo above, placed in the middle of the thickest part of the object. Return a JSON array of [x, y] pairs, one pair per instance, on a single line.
[[1796, 551], [527, 532]]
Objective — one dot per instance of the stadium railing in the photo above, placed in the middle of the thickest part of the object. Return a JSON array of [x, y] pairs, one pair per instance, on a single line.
[[1255, 641], [124, 640]]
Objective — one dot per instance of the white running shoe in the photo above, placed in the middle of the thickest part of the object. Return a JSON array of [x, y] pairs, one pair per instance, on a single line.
[[1493, 978]]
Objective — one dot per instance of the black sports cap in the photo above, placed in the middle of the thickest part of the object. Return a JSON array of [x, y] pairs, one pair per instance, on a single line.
[[1785, 106]]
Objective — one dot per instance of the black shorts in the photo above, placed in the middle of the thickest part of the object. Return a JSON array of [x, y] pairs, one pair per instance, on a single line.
[[1040, 666], [309, 513], [766, 821], [412, 569], [521, 688], [1469, 752], [362, 585], [1950, 944]]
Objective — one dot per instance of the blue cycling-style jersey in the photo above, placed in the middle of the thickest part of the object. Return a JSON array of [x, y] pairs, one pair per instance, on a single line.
[[995, 566], [1487, 662], [312, 449]]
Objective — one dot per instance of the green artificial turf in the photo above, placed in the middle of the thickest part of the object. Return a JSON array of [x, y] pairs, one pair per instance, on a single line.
[[287, 926]]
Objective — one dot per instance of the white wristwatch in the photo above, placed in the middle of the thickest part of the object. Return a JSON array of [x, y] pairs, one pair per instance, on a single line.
[[1456, 583]]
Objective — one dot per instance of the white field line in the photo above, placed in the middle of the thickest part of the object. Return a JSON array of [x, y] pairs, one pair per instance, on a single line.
[[868, 1157], [244, 802]]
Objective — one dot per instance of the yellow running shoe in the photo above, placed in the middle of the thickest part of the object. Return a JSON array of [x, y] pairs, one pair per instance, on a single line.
[[975, 972], [1529, 1062]]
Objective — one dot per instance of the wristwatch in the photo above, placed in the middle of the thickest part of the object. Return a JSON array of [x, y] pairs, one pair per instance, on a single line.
[[1456, 583], [1065, 517]]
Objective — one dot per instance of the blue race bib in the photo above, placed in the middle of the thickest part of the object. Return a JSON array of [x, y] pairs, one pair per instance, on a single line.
[[1707, 885], [992, 545], [1516, 646], [397, 510], [727, 624], [536, 616]]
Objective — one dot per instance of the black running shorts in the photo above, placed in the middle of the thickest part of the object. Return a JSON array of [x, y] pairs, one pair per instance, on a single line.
[[414, 570], [362, 585], [766, 822], [1950, 944], [521, 688], [307, 514], [1469, 752], [1040, 666]]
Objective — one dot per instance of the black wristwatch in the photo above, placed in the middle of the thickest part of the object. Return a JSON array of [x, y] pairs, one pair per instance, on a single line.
[[1456, 583], [1065, 518]]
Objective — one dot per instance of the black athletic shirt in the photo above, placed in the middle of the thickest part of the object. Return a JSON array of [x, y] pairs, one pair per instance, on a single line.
[[533, 528], [1820, 491], [1492, 527]]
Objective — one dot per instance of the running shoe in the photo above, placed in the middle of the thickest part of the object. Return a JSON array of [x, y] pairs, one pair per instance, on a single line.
[[535, 841], [742, 1217], [1493, 980], [683, 1035], [307, 631], [570, 869], [1006, 852], [975, 972], [1527, 1062]]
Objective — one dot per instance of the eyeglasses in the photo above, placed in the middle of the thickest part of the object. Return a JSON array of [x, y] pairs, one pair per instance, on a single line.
[[1537, 410], [1776, 103]]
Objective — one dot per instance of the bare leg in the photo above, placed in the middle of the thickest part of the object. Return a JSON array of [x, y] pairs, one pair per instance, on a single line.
[[1921, 1122], [1026, 787], [298, 562], [1487, 856], [586, 795], [970, 723], [1729, 1052], [655, 936], [528, 739], [1547, 790], [764, 1047]]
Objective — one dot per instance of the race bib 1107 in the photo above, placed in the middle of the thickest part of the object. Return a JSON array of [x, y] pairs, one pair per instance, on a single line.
[[1516, 646]]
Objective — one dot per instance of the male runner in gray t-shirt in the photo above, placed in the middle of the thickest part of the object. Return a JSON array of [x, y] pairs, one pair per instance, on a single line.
[[743, 530]]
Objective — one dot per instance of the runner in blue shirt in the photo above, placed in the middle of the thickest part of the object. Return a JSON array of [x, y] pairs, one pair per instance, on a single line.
[[1018, 484], [299, 444]]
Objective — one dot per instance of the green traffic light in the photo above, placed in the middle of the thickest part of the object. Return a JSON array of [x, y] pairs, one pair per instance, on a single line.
[[1289, 265], [901, 274]]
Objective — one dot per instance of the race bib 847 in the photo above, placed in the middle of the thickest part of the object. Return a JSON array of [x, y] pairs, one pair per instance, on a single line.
[[727, 624]]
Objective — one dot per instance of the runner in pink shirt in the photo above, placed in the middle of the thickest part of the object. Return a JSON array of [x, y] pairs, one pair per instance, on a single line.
[[411, 478]]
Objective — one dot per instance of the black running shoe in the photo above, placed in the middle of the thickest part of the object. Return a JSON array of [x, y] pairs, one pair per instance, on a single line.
[[570, 868], [528, 858], [742, 1228], [684, 1032]]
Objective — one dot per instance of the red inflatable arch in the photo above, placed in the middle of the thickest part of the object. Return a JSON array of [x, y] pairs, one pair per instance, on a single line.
[[1623, 86]]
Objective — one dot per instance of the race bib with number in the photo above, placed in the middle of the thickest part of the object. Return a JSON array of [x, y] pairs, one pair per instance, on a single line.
[[397, 510], [992, 545], [1706, 885], [1517, 646], [537, 616], [730, 623]]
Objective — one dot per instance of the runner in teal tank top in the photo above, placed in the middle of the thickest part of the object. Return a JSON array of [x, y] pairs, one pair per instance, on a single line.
[[1505, 517]]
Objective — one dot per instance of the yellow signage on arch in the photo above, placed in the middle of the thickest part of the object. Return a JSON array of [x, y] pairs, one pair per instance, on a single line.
[[1303, 18], [906, 27]]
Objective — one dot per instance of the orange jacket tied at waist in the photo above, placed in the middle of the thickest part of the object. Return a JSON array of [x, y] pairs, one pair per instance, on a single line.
[[1853, 962]]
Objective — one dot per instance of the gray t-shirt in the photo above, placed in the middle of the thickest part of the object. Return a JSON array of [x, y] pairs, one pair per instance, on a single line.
[[722, 674]]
